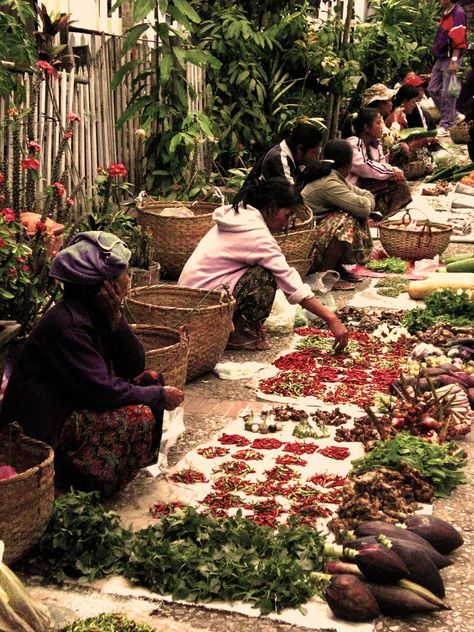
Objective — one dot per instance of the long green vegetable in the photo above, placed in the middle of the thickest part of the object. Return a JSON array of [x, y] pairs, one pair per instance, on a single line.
[[452, 173], [441, 465]]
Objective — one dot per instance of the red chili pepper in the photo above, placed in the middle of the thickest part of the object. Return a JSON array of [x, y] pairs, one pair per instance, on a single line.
[[290, 459], [189, 476], [248, 455], [234, 439], [234, 467], [297, 447], [164, 509], [267, 444], [335, 452], [212, 452], [327, 480]]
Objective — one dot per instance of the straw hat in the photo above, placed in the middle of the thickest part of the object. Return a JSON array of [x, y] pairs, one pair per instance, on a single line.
[[377, 92]]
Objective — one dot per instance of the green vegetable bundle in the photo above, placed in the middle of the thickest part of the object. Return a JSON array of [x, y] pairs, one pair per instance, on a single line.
[[390, 264], [452, 173], [441, 306], [108, 622], [441, 464]]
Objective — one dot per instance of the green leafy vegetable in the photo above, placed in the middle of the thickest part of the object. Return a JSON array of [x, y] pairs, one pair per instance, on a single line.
[[441, 465], [82, 540], [107, 622], [441, 306], [199, 558], [390, 264]]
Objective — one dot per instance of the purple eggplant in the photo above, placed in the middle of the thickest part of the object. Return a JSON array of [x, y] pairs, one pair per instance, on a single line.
[[379, 527], [350, 599], [397, 601], [439, 533], [410, 548], [380, 564]]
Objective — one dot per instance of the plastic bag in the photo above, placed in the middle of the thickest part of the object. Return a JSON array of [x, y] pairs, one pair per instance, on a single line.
[[173, 428], [322, 282], [282, 316], [454, 87]]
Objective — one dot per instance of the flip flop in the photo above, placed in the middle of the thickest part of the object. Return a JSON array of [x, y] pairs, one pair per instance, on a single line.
[[346, 275], [251, 344], [343, 285]]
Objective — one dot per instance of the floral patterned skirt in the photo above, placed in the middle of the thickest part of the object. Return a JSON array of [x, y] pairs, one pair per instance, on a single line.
[[254, 294], [390, 195], [104, 451], [346, 228]]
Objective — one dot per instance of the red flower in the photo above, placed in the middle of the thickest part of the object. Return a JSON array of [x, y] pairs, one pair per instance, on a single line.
[[13, 111], [117, 169], [34, 145], [8, 213], [12, 273], [68, 134], [2, 177], [44, 65], [2, 243], [59, 188], [30, 163], [25, 268], [73, 117], [40, 227], [70, 202]]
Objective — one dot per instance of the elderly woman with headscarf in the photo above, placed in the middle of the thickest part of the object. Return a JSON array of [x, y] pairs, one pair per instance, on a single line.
[[75, 383]]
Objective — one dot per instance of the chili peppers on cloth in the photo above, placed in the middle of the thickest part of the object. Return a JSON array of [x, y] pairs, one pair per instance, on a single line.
[[354, 377]]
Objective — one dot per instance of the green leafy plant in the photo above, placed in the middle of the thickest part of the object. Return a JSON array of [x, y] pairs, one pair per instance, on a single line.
[[108, 622], [441, 464], [441, 306], [82, 540]]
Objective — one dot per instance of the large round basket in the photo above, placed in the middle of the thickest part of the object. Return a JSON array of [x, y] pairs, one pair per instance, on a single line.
[[301, 265], [166, 351], [297, 242], [411, 245], [460, 133], [175, 238], [207, 316], [26, 499]]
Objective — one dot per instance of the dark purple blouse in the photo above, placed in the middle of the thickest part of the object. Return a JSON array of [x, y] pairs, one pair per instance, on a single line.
[[68, 364]]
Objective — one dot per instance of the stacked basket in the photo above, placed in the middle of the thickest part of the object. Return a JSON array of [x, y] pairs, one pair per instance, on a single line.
[[175, 238], [297, 242], [26, 499], [166, 351], [207, 316], [460, 133]]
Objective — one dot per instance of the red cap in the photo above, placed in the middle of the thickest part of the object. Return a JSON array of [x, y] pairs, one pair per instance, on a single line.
[[415, 81]]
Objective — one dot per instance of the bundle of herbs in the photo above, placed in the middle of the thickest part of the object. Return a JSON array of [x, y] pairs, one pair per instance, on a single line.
[[441, 465], [441, 306], [199, 558], [82, 540]]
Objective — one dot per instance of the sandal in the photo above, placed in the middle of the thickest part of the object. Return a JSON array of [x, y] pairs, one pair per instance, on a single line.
[[343, 285], [346, 275], [249, 345]]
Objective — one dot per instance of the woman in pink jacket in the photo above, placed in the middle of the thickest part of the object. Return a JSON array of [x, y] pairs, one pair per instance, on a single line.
[[370, 167], [241, 252]]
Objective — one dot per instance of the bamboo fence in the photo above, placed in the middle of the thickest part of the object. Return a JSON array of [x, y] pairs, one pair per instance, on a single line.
[[96, 141]]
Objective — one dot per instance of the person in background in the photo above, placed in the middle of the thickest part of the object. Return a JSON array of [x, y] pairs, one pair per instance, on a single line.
[[419, 117], [370, 167], [404, 74], [79, 382], [241, 252], [287, 159], [341, 211], [448, 49], [380, 97]]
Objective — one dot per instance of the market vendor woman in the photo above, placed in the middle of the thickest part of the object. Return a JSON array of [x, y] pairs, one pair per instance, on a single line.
[[241, 252], [75, 384]]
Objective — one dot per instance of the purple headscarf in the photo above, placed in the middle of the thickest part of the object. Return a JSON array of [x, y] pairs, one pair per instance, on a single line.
[[91, 257]]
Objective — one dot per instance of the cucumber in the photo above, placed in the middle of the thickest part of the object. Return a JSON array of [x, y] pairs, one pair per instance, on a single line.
[[465, 265], [459, 257]]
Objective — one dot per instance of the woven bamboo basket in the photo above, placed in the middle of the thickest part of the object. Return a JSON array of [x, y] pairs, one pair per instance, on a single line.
[[301, 265], [166, 351], [460, 133], [297, 242], [26, 499], [411, 245], [175, 238], [207, 316]]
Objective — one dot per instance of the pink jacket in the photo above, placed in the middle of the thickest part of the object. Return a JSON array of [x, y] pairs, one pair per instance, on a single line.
[[237, 242], [368, 164]]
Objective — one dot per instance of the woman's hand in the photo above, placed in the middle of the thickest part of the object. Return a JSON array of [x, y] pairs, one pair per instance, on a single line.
[[109, 301], [173, 397], [398, 174], [341, 335], [399, 116]]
